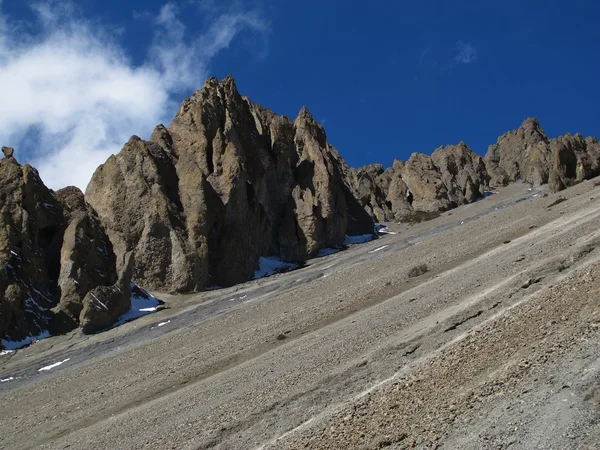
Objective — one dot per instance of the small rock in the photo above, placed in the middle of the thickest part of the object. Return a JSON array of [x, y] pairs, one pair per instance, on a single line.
[[281, 337], [8, 152]]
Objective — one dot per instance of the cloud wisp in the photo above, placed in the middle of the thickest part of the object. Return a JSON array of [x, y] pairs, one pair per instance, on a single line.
[[465, 53], [71, 95]]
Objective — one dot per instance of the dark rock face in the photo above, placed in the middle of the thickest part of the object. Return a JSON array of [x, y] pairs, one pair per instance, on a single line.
[[103, 305], [53, 251], [371, 186], [226, 183], [86, 257], [31, 229], [574, 159]]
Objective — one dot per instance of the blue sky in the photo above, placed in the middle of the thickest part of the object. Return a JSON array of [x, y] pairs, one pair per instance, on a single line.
[[386, 78]]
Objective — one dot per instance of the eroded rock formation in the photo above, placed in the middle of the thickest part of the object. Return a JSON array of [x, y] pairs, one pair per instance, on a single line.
[[451, 176], [226, 183], [527, 154], [53, 251]]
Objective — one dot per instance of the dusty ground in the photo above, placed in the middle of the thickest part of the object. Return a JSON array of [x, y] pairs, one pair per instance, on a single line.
[[496, 345]]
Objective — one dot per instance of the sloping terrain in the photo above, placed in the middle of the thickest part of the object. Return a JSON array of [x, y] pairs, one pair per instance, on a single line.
[[227, 186], [478, 329]]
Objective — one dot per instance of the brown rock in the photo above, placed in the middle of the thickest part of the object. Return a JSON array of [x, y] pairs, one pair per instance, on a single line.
[[371, 185], [424, 181], [103, 305], [528, 155], [226, 183], [574, 159], [462, 172], [8, 152], [520, 155], [86, 258], [450, 177], [52, 252]]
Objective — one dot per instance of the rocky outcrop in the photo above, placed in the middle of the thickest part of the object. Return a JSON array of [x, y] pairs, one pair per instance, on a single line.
[[103, 305], [574, 159], [522, 154], [528, 155], [462, 172], [454, 175], [53, 251], [86, 256], [226, 183], [371, 184], [451, 176]]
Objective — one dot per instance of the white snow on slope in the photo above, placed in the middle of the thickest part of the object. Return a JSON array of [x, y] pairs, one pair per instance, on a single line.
[[6, 352], [4, 380], [140, 306], [272, 265], [381, 228], [15, 345], [379, 248], [52, 366]]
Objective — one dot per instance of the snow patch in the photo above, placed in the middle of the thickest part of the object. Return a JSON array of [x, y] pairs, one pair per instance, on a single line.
[[6, 352], [163, 323], [5, 380], [350, 240], [52, 366], [15, 345], [140, 306], [272, 265], [377, 249], [383, 229]]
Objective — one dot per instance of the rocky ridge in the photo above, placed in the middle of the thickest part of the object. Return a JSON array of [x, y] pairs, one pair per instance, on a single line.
[[226, 183], [455, 175]]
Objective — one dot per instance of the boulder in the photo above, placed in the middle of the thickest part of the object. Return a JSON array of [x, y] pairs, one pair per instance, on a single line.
[[8, 152], [103, 305], [86, 257]]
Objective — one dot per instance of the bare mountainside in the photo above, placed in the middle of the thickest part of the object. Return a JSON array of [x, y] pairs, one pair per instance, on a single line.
[[492, 344], [228, 184]]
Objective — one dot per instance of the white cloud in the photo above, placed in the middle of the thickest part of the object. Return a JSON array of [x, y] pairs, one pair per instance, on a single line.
[[466, 53], [71, 96]]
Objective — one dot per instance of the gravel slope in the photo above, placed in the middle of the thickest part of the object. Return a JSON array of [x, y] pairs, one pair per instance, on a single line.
[[351, 351]]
